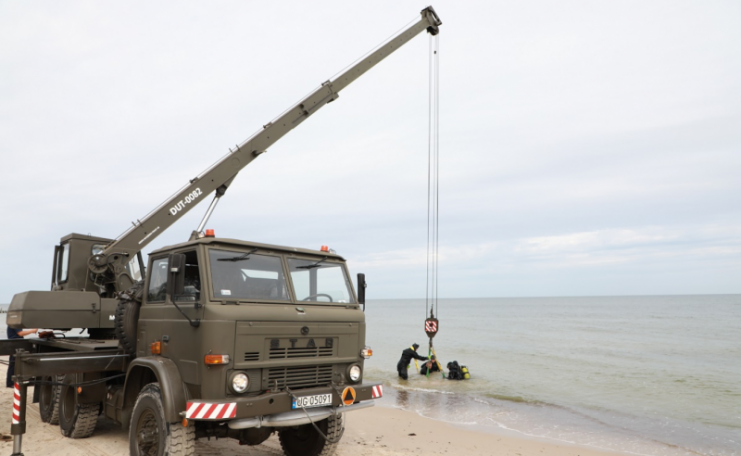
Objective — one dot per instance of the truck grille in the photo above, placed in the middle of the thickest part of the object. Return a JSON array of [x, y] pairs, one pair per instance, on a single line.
[[251, 356], [287, 353], [300, 377]]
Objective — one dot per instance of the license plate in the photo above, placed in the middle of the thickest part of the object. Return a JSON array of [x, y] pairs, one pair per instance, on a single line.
[[318, 400]]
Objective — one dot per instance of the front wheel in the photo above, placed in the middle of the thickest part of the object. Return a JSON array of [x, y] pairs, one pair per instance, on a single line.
[[151, 435], [304, 440]]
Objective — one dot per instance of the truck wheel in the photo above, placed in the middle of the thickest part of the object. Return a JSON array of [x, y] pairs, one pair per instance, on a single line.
[[127, 316], [49, 400], [151, 435], [76, 420], [304, 440], [102, 333]]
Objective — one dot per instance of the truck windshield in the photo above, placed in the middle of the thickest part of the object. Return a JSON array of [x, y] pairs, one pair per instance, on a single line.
[[246, 275], [320, 281]]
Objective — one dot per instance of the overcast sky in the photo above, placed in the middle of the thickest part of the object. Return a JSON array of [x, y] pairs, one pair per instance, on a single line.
[[587, 147]]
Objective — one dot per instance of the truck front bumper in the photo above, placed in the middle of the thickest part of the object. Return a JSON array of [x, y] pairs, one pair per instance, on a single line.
[[296, 417], [275, 409]]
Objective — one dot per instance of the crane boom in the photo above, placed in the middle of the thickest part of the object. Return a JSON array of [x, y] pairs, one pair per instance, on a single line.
[[219, 176]]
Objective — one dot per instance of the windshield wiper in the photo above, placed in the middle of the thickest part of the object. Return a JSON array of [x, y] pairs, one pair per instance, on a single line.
[[239, 257], [312, 266]]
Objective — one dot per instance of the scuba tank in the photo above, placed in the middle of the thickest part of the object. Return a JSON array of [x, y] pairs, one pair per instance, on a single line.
[[466, 374]]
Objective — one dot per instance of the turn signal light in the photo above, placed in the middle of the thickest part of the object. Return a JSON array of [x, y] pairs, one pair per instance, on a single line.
[[216, 359], [156, 348], [210, 233], [366, 353]]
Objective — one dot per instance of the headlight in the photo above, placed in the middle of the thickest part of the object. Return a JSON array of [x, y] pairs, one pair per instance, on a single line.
[[240, 382], [354, 373]]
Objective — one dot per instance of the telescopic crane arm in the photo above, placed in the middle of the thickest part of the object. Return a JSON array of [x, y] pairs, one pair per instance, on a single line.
[[220, 175]]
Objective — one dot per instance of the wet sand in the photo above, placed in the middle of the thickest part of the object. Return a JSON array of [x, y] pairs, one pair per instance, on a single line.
[[378, 431]]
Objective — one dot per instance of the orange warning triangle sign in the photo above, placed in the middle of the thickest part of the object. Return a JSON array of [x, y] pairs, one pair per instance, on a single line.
[[348, 395]]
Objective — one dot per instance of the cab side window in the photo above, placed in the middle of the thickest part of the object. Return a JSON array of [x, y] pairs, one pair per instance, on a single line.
[[158, 281], [192, 290], [64, 264]]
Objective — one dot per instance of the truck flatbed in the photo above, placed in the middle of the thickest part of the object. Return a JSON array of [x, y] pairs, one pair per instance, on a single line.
[[46, 357]]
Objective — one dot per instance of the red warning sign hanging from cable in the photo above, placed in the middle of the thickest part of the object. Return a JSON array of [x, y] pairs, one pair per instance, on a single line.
[[431, 326]]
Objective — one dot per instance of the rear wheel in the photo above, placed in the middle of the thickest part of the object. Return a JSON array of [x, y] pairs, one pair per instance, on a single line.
[[49, 400], [151, 435], [76, 420], [304, 440]]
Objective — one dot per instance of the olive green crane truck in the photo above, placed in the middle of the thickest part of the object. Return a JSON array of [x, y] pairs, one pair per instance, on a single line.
[[212, 337]]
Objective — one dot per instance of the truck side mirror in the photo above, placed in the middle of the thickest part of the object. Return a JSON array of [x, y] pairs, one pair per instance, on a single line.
[[176, 275], [361, 289]]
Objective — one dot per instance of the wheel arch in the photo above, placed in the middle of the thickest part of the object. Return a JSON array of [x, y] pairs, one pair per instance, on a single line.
[[145, 370]]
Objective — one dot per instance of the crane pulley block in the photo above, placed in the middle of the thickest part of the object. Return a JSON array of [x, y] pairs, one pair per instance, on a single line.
[[431, 327]]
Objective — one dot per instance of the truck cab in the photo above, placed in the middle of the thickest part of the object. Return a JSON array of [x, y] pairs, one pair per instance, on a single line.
[[266, 336], [283, 316]]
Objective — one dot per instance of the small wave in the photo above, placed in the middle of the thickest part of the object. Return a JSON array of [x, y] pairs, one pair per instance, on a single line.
[[517, 399], [563, 439], [422, 390], [425, 414]]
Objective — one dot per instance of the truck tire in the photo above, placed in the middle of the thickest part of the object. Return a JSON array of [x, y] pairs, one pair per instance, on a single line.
[[151, 435], [102, 333], [49, 399], [127, 316], [304, 440], [76, 421]]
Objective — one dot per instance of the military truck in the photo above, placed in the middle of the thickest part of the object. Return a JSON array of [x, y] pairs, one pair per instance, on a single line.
[[212, 337]]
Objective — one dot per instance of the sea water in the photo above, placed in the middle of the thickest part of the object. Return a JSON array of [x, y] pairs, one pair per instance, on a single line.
[[653, 375]]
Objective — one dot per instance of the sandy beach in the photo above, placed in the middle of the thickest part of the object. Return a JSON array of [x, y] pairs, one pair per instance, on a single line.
[[379, 431]]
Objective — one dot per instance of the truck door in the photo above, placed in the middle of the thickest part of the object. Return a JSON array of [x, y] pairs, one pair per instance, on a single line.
[[160, 320]]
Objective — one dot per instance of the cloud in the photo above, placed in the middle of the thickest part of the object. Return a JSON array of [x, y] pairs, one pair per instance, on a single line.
[[585, 147], [497, 268]]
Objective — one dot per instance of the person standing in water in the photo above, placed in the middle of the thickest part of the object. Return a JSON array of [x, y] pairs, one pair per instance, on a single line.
[[406, 358], [429, 366]]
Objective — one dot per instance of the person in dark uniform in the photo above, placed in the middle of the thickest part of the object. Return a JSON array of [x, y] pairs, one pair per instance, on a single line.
[[15, 334], [406, 358], [429, 366]]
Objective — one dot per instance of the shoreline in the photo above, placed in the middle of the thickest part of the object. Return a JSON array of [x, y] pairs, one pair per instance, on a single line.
[[382, 430], [497, 431]]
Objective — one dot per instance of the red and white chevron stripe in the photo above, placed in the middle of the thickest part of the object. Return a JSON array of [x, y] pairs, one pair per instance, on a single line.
[[211, 411], [377, 391], [16, 403]]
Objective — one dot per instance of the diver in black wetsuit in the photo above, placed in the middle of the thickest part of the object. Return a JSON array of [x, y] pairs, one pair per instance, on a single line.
[[429, 366], [406, 358]]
